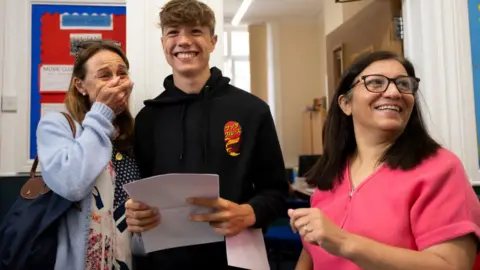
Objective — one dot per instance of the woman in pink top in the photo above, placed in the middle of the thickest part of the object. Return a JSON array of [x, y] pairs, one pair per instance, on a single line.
[[388, 196]]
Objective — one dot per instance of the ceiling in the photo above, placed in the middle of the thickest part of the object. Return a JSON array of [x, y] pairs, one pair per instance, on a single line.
[[263, 10]]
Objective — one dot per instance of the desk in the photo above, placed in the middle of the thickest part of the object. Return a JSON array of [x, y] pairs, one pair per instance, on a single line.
[[300, 186]]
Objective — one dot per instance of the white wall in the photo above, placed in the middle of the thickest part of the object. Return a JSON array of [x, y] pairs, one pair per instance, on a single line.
[[15, 67], [438, 42], [2, 40], [144, 50]]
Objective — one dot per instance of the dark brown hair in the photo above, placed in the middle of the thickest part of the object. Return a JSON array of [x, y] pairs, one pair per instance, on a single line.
[[187, 12], [408, 151], [78, 105]]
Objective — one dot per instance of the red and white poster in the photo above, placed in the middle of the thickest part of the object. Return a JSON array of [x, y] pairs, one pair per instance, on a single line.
[[60, 33]]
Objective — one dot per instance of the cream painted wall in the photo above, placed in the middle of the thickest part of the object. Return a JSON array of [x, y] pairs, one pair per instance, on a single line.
[[322, 53], [258, 61], [350, 9], [299, 79], [333, 14], [337, 13]]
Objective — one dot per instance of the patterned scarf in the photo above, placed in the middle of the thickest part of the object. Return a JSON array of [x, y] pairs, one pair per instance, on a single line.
[[108, 246]]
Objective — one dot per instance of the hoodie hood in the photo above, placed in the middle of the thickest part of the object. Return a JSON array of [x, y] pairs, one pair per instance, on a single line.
[[212, 88]]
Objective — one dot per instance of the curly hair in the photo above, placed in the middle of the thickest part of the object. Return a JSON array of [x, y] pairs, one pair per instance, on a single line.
[[187, 12]]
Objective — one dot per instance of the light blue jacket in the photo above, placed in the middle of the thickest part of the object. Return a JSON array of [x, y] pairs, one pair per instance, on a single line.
[[70, 167]]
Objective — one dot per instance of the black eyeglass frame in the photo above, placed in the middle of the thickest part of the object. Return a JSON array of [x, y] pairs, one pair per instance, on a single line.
[[390, 80]]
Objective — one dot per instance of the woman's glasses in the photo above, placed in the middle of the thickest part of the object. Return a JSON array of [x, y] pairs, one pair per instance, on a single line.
[[377, 83]]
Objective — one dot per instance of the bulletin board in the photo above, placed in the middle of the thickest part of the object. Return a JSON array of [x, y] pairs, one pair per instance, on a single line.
[[474, 17], [56, 29]]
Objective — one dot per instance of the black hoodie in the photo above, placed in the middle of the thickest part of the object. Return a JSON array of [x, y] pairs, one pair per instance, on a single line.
[[222, 130]]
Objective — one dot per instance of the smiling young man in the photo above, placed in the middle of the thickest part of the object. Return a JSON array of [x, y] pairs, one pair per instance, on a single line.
[[202, 124]]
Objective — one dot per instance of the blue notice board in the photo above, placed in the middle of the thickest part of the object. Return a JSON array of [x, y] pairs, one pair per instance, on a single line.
[[474, 19], [53, 28]]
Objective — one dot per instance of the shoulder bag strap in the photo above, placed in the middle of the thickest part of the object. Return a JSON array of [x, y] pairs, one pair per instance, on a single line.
[[74, 132]]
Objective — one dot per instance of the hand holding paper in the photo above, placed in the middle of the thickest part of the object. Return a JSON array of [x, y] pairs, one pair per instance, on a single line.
[[141, 217], [229, 219], [169, 193], [190, 223]]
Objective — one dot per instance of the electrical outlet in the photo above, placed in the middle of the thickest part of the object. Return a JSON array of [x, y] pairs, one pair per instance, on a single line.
[[9, 104]]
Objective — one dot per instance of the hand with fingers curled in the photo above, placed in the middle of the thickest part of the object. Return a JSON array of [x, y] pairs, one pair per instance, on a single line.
[[141, 217], [315, 228], [228, 218], [115, 94]]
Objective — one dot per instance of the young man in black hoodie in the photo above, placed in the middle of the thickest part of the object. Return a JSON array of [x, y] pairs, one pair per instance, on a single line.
[[202, 124]]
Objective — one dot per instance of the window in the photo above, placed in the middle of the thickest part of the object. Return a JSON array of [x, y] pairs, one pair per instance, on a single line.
[[225, 43], [241, 69], [237, 56], [240, 43], [227, 68]]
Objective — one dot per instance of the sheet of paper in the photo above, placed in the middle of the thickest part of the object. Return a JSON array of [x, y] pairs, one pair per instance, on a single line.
[[55, 77], [247, 250], [52, 107], [169, 193]]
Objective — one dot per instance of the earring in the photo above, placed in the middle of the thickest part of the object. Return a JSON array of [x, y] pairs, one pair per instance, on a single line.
[[84, 93]]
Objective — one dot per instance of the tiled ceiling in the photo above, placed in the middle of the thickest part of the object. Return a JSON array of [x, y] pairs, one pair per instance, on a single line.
[[263, 10]]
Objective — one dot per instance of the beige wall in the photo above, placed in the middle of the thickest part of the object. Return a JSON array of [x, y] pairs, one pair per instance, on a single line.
[[299, 70], [258, 61], [299, 77], [322, 49], [370, 29], [300, 82], [350, 9], [337, 13], [333, 14]]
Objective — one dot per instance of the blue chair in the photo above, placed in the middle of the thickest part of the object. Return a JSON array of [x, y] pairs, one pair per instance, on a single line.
[[283, 245]]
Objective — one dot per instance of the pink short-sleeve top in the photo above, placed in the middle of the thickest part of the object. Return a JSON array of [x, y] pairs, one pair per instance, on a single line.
[[415, 209]]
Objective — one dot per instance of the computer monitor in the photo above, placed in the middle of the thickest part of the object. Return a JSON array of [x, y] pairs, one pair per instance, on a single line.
[[305, 163]]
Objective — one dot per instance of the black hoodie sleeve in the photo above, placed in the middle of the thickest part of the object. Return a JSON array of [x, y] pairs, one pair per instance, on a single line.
[[144, 142], [268, 172]]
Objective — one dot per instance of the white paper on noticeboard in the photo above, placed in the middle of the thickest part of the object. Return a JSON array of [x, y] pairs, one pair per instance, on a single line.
[[55, 78], [52, 107]]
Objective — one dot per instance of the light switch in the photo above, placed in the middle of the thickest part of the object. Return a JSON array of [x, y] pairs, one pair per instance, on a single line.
[[9, 104]]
